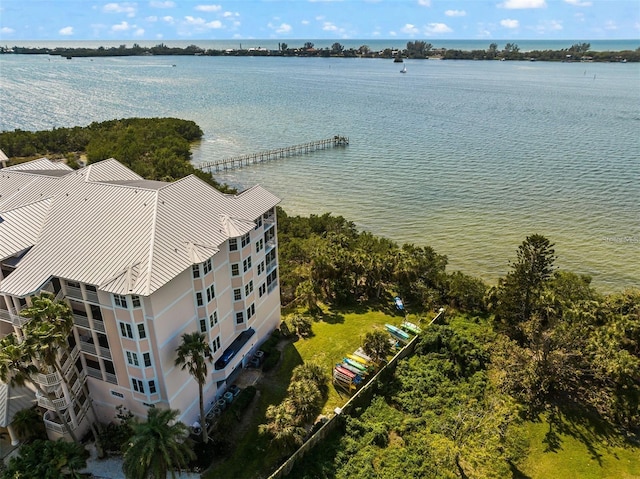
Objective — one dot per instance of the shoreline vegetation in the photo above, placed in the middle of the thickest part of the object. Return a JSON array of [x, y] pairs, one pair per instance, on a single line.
[[415, 50]]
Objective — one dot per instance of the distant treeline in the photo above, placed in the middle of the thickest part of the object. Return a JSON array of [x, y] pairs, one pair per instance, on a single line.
[[413, 50]]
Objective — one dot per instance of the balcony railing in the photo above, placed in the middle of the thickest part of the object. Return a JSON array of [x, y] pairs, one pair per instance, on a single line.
[[52, 424], [88, 347], [272, 286], [111, 378], [104, 352], [80, 320], [45, 402], [91, 296], [13, 316], [94, 373], [98, 325], [73, 292]]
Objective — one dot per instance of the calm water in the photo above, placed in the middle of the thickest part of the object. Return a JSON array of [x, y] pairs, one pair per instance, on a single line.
[[468, 157]]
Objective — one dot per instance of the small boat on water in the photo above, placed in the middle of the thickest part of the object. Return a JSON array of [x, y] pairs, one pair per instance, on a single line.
[[404, 69]]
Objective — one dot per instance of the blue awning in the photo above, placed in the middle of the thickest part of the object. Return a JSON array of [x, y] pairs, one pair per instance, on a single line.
[[233, 349]]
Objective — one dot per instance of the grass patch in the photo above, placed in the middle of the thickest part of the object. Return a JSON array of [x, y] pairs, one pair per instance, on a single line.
[[564, 448], [333, 339], [253, 455]]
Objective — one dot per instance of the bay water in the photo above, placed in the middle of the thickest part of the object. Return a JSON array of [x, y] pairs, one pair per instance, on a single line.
[[467, 157]]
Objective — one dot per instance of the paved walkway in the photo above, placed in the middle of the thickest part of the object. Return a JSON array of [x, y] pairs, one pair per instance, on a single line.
[[111, 468]]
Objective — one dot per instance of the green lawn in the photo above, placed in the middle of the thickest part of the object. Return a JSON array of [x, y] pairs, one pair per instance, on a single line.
[[336, 337], [572, 450]]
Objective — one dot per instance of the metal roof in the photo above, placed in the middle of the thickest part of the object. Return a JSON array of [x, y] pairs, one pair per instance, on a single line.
[[106, 226]]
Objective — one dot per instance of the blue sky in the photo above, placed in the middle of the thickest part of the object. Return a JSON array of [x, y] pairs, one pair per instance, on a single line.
[[318, 19]]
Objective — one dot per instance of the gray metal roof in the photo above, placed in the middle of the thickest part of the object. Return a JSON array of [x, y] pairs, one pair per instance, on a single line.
[[104, 225], [12, 400]]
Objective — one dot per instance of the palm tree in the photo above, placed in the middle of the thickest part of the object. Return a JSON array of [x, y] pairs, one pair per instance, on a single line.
[[282, 426], [28, 424], [377, 346], [17, 368], [47, 331], [157, 446], [193, 354]]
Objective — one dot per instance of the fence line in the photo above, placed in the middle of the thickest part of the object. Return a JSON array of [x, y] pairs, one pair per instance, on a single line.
[[361, 395]]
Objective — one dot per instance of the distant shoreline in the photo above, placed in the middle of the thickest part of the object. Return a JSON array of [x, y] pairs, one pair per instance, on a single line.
[[415, 50]]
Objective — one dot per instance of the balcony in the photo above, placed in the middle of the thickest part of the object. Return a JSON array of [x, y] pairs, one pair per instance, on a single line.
[[45, 402], [232, 355], [92, 296], [87, 347], [272, 286], [80, 320], [13, 316], [47, 381], [268, 221], [73, 292], [98, 325]]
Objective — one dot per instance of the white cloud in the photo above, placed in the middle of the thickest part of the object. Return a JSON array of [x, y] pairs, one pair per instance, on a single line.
[[549, 26], [305, 22], [66, 31], [455, 13], [6, 30], [152, 18], [167, 4], [610, 25], [208, 8], [282, 28], [510, 23], [434, 28], [519, 4], [424, 3], [201, 23], [329, 27], [139, 32], [128, 8], [579, 3], [121, 27], [410, 29], [169, 19], [230, 14]]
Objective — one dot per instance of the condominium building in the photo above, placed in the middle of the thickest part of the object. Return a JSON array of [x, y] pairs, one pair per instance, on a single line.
[[140, 263]]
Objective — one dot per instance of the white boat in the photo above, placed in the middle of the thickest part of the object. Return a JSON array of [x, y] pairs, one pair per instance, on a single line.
[[404, 69]]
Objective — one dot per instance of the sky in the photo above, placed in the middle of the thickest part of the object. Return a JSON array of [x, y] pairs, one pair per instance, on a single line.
[[318, 19]]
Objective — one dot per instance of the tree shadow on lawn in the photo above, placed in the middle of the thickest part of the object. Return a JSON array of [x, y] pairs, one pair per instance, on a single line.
[[583, 424], [251, 453]]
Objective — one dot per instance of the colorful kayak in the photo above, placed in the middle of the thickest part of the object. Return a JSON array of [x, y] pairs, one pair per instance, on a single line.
[[355, 364], [349, 367], [357, 358], [412, 328], [363, 355], [346, 372], [397, 332]]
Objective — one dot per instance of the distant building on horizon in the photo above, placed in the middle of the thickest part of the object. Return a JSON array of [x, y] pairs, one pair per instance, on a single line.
[[140, 263]]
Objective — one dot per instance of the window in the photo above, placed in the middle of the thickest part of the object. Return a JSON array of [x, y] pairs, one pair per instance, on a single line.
[[245, 240], [138, 386], [142, 333], [215, 344], [259, 222], [261, 267], [259, 245], [262, 289], [246, 264], [211, 293], [146, 357], [251, 310], [126, 331], [195, 269], [135, 301], [207, 266], [237, 294], [132, 358], [248, 288], [235, 269], [120, 300], [199, 300], [239, 318], [203, 325], [73, 284], [152, 387], [233, 244], [117, 394], [213, 319]]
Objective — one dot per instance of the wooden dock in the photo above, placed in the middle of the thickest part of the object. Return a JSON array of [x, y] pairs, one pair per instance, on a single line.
[[261, 157]]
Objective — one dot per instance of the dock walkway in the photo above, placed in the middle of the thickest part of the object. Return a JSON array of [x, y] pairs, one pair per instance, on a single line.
[[268, 155]]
